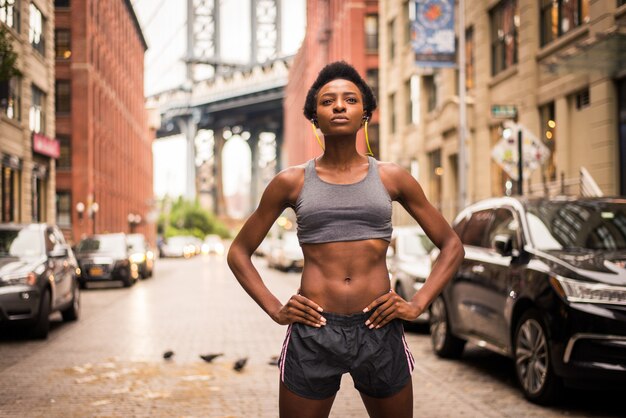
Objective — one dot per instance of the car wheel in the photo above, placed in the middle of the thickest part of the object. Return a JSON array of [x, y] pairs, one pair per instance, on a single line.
[[42, 326], [533, 364], [127, 280], [444, 343], [72, 312]]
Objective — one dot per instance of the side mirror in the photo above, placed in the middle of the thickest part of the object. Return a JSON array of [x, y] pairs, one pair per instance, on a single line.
[[58, 253], [503, 244]]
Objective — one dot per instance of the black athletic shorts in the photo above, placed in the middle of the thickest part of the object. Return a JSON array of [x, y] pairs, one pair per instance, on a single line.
[[313, 359]]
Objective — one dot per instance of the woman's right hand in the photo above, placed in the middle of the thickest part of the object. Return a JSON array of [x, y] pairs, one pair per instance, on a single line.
[[302, 310]]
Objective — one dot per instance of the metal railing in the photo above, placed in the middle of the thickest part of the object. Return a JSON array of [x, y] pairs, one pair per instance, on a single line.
[[584, 185]]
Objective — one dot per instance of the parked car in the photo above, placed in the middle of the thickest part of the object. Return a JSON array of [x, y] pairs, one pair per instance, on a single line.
[[543, 281], [213, 244], [286, 253], [37, 277], [178, 246], [106, 257], [141, 254], [409, 263]]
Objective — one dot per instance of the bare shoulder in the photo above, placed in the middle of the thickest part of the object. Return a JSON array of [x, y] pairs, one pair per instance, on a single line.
[[288, 183], [395, 178]]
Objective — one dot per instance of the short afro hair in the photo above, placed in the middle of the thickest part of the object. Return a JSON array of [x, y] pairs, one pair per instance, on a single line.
[[339, 70]]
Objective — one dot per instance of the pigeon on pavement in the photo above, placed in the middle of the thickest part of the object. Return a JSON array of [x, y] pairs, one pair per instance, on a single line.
[[240, 364], [210, 357], [168, 354]]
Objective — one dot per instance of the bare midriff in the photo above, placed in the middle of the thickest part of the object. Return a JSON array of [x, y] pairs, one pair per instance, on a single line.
[[345, 277]]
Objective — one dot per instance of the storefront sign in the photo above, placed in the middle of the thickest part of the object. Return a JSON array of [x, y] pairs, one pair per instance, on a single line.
[[432, 33], [46, 146]]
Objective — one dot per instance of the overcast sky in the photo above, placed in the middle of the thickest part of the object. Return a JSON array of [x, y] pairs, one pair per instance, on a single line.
[[164, 27]]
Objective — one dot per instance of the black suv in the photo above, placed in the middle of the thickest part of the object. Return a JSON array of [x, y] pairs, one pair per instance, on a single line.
[[106, 257], [37, 277], [544, 282]]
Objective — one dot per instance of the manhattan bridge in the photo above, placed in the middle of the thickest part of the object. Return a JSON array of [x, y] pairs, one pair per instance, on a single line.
[[235, 99]]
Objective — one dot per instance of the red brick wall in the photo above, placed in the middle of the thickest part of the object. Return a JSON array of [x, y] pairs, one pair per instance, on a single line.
[[335, 31], [111, 143]]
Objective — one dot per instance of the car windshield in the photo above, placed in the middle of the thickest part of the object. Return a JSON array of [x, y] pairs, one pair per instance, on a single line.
[[137, 243], [25, 242], [417, 244], [578, 225], [102, 244], [178, 241]]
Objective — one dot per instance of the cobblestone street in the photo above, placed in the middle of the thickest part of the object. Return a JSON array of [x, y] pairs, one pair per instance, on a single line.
[[109, 363]]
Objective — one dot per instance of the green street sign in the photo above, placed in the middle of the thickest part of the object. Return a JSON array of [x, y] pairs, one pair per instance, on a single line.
[[504, 111]]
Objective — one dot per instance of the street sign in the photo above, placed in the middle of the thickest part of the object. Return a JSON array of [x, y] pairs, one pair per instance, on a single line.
[[505, 152], [504, 111]]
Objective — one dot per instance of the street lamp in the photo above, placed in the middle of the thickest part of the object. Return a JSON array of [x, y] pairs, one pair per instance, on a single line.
[[94, 210], [80, 208], [133, 220]]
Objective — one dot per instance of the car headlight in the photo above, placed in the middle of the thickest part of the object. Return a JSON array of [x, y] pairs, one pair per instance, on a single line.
[[138, 257], [28, 279], [577, 291]]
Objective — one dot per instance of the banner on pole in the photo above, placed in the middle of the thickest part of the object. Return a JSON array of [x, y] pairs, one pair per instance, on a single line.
[[432, 33]]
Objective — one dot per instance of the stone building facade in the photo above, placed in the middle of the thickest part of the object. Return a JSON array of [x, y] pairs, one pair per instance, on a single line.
[[28, 148], [560, 65]]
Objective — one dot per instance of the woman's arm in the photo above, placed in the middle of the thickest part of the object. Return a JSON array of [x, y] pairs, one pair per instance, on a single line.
[[278, 195], [407, 191]]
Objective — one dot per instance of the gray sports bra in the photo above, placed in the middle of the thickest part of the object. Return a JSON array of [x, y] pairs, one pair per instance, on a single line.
[[327, 212]]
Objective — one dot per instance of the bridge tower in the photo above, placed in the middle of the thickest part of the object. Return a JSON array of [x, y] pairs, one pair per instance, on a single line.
[[203, 49]]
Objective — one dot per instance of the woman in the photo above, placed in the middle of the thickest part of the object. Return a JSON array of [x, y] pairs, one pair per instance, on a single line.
[[344, 318]]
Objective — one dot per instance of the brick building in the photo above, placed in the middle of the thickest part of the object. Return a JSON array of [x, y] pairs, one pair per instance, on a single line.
[[336, 30], [28, 149], [104, 177], [560, 64]]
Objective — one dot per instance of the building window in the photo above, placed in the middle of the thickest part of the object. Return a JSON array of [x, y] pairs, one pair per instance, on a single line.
[[39, 198], [409, 9], [430, 88], [64, 209], [371, 33], [11, 98], [63, 3], [371, 77], [63, 96], [470, 76], [561, 16], [62, 44], [583, 100], [10, 194], [392, 113], [65, 158], [36, 30], [504, 28], [415, 96], [37, 111], [408, 103], [10, 13], [548, 130], [391, 29], [436, 172]]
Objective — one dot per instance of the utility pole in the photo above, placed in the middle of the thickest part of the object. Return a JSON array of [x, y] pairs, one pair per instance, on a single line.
[[462, 160]]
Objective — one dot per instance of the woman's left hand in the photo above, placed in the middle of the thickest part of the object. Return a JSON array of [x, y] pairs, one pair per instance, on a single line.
[[391, 306]]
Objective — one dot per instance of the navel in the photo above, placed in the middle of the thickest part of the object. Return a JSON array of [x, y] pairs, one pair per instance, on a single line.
[[347, 280]]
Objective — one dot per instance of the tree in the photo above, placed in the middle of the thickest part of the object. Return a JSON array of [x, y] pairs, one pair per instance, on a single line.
[[188, 218], [8, 57]]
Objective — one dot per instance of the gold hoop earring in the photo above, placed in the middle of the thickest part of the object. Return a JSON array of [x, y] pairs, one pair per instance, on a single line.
[[319, 141], [367, 141]]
